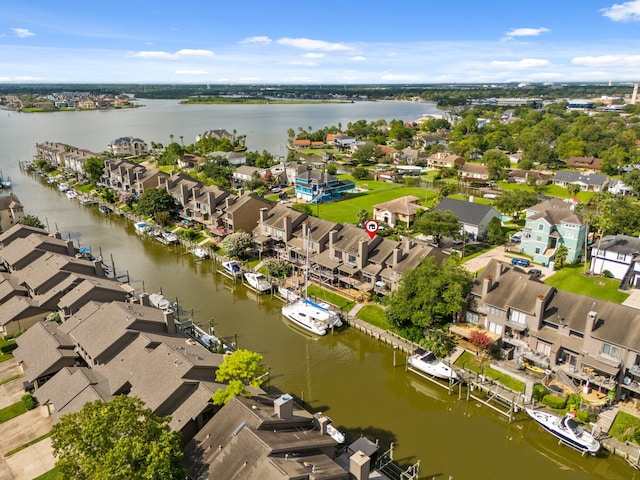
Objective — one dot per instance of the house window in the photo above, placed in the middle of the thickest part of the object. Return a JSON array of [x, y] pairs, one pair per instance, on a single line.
[[543, 349], [540, 227], [538, 238], [351, 260], [611, 351], [472, 318], [537, 250], [496, 312], [621, 256], [495, 328], [518, 317]]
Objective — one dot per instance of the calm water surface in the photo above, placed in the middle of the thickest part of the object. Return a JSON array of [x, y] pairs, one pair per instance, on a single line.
[[348, 376]]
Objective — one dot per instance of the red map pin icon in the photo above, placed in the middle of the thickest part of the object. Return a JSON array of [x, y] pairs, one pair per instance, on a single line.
[[371, 226]]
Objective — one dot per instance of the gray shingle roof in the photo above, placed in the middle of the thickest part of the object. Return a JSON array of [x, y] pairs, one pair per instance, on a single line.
[[468, 212]]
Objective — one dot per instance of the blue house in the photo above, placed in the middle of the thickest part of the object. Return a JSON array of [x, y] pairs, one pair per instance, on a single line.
[[547, 226], [318, 187]]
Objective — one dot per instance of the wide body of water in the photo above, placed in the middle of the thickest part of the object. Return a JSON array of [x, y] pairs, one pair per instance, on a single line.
[[349, 376]]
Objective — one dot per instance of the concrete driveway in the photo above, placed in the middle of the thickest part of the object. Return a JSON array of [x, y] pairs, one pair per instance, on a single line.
[[499, 253], [10, 392]]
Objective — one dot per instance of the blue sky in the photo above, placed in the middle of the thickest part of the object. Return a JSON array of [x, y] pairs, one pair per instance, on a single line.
[[329, 42]]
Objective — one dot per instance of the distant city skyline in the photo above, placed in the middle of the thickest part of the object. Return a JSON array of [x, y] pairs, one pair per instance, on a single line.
[[331, 42]]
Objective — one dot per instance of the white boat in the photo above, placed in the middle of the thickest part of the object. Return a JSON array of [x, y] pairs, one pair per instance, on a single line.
[[104, 209], [167, 237], [6, 182], [200, 253], [158, 301], [336, 434], [288, 294], [63, 187], [313, 317], [71, 194], [258, 282], [142, 227], [428, 363], [232, 267], [567, 430]]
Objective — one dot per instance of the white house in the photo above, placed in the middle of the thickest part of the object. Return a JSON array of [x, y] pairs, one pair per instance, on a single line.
[[618, 254]]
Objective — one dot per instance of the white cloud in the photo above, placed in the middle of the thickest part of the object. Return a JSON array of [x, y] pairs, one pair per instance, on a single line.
[[23, 32], [308, 44], [623, 12], [191, 72], [358, 58], [187, 52], [523, 64], [302, 63], [314, 55], [608, 61], [525, 32], [261, 40]]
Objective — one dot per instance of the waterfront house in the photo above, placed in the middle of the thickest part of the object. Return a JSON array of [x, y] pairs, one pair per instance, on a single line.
[[128, 146], [318, 187], [442, 160], [75, 158], [620, 256], [122, 175], [400, 211], [474, 217], [11, 211], [51, 152], [547, 226], [218, 133], [590, 182], [520, 176], [242, 213], [261, 438], [19, 251], [578, 338], [431, 139], [618, 187], [121, 348], [275, 229], [189, 161], [471, 172], [246, 173], [405, 257]]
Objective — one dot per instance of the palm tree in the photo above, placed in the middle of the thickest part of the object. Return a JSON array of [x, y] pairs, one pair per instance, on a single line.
[[561, 255], [181, 140], [171, 137]]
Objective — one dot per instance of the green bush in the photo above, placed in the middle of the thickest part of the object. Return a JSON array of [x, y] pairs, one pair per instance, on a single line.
[[29, 402], [573, 402], [584, 416], [539, 392], [9, 347], [552, 401]]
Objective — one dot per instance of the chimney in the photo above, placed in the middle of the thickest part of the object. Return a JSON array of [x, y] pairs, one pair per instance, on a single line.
[[539, 309], [286, 235], [590, 323], [168, 319], [499, 266], [195, 191], [396, 256], [228, 201], [240, 191], [283, 407], [487, 282], [360, 465], [71, 250], [211, 201], [363, 253], [144, 299], [407, 243], [263, 214], [99, 269], [333, 237], [322, 422], [184, 192]]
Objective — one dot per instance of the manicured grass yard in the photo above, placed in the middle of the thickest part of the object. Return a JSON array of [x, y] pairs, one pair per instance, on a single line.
[[623, 426], [572, 279], [50, 475], [12, 411], [471, 362], [375, 316], [377, 192], [339, 301]]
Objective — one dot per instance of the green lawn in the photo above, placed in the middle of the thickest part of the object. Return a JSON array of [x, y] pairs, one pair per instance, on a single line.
[[377, 192], [10, 379], [12, 411], [549, 190], [471, 362], [5, 356], [339, 301], [572, 279], [50, 475], [375, 316], [623, 426]]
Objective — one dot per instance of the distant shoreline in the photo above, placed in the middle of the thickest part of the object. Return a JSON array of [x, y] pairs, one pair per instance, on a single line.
[[256, 101]]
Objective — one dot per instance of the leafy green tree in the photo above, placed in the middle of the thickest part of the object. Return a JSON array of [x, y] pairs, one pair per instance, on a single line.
[[155, 200], [238, 244], [439, 223], [240, 369], [429, 295], [94, 168], [495, 233], [303, 208], [32, 221], [496, 162], [332, 169], [109, 195], [514, 201], [438, 342], [445, 189], [360, 173], [367, 153], [633, 180], [277, 267], [171, 154], [573, 189], [118, 439], [363, 216]]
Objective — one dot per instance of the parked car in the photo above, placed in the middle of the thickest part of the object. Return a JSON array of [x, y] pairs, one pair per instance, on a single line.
[[535, 272], [516, 237], [521, 262]]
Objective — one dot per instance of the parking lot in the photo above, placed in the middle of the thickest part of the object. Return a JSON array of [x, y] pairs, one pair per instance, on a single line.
[[499, 253]]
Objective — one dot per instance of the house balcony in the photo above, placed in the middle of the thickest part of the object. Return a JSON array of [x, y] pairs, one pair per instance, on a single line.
[[588, 374]]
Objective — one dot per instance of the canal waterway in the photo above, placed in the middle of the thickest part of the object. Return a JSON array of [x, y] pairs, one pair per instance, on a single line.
[[349, 376]]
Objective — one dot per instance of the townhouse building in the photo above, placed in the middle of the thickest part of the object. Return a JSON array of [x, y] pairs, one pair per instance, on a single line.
[[11, 211], [620, 256]]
